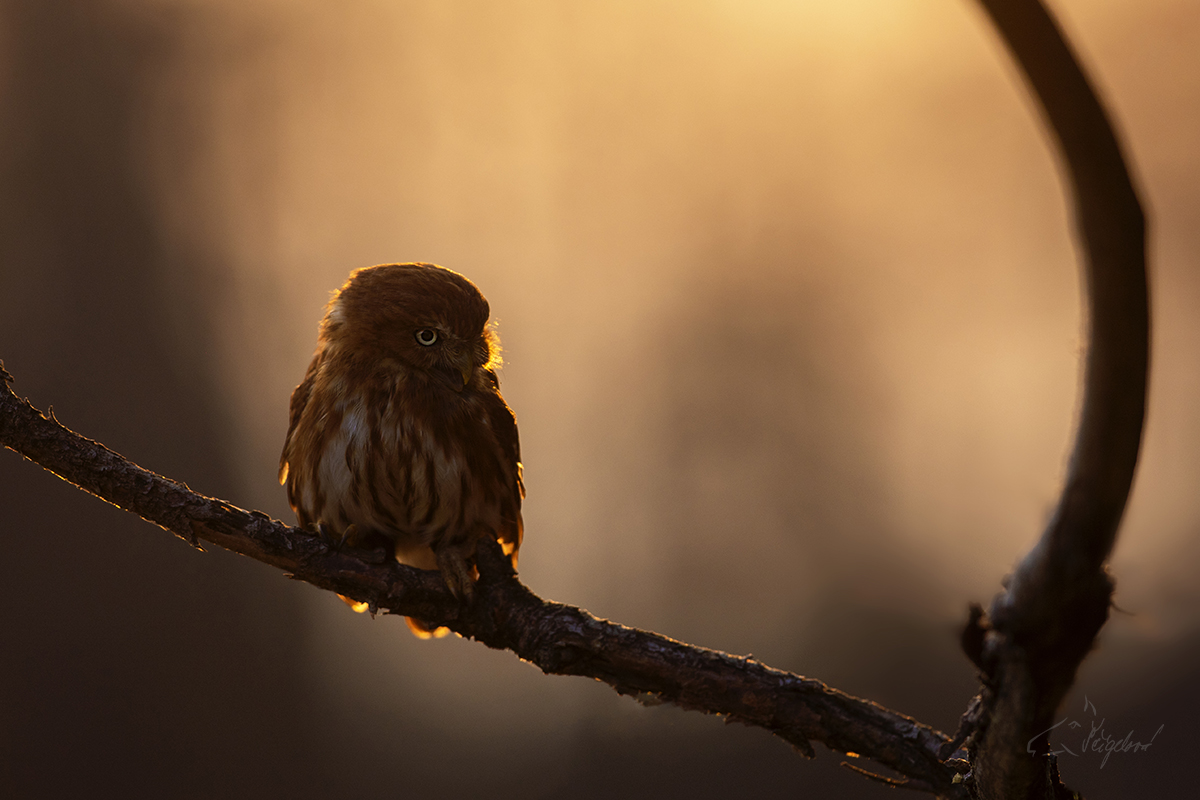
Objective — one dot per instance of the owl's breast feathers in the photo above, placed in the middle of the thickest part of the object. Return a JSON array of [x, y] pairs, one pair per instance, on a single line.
[[392, 451]]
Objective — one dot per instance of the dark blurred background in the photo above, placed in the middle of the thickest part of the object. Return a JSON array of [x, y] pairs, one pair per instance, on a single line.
[[792, 325]]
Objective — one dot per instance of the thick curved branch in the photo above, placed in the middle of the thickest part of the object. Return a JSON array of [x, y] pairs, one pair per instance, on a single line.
[[1058, 597], [505, 614]]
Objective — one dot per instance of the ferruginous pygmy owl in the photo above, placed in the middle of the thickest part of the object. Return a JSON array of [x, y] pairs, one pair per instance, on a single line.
[[398, 431]]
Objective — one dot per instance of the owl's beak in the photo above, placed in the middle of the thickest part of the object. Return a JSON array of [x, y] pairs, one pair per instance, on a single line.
[[465, 367]]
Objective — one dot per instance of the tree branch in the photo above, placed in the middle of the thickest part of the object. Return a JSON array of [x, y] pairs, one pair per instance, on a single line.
[[1058, 597], [559, 639]]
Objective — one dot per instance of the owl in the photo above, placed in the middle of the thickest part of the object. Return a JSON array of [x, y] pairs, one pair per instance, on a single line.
[[398, 433]]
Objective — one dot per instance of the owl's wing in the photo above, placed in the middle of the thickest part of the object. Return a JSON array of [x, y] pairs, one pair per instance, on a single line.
[[503, 423], [300, 397]]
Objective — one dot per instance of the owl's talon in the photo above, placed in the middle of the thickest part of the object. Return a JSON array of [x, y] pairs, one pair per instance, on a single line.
[[459, 575], [335, 542], [493, 562]]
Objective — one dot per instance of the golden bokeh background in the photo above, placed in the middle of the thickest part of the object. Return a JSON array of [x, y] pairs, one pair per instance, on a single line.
[[792, 328]]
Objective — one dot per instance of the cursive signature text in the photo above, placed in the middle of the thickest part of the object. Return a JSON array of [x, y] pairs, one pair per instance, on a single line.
[[1097, 739]]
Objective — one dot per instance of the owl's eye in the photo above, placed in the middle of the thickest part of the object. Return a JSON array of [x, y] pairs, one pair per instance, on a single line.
[[427, 337]]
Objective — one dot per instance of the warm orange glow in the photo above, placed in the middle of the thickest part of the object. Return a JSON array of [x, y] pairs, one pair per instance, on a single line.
[[791, 327], [789, 297], [355, 606], [422, 633]]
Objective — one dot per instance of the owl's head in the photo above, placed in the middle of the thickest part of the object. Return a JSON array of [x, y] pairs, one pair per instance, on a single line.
[[427, 317]]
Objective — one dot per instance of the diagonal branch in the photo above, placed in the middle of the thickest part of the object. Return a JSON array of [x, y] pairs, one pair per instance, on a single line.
[[1058, 596], [559, 639]]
